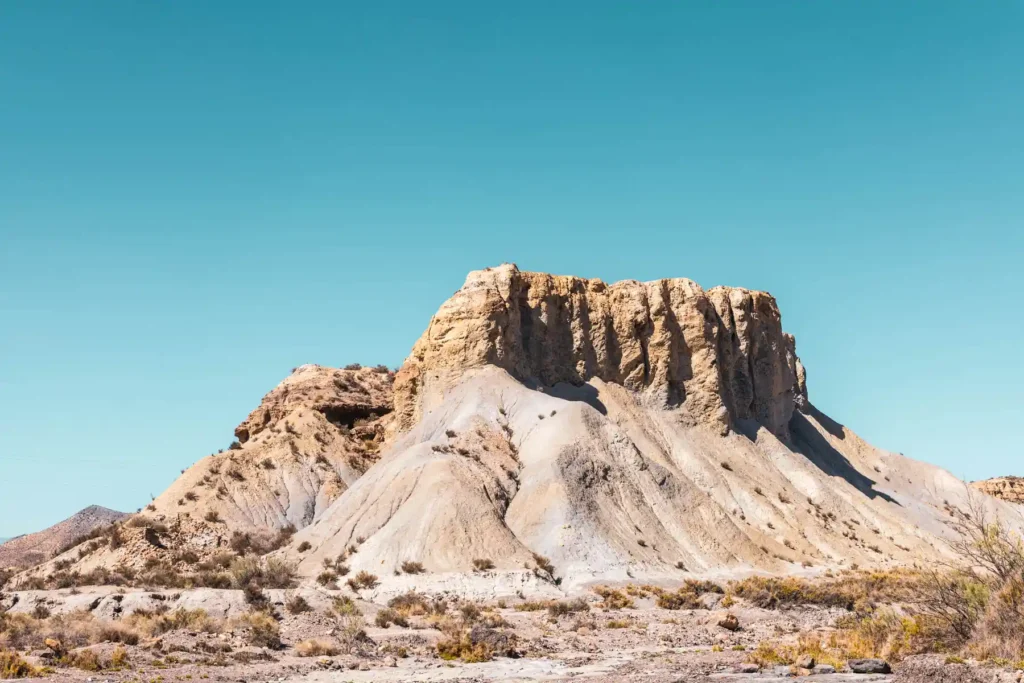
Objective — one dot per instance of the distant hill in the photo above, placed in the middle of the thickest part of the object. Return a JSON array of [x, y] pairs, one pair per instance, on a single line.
[[31, 549]]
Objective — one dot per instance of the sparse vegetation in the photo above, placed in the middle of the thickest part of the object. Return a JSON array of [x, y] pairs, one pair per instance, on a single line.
[[613, 599], [297, 604], [327, 577], [544, 565], [562, 608], [482, 564], [316, 648], [261, 629], [261, 573], [363, 580], [13, 666], [388, 616], [412, 567]]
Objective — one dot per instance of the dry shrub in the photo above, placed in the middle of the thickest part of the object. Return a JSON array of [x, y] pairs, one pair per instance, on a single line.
[[327, 577], [687, 596], [533, 605], [86, 660], [262, 573], [482, 564], [972, 606], [262, 629], [564, 607], [975, 604], [344, 605], [350, 631], [469, 611], [362, 580], [772, 592], [316, 648], [412, 567], [464, 648], [999, 633], [119, 658], [544, 564], [413, 604], [884, 635], [151, 623], [772, 654], [259, 544], [13, 666], [613, 599], [388, 616], [297, 604], [459, 643]]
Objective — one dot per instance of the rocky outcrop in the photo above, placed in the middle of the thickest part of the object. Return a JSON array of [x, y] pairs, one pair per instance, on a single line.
[[715, 356], [32, 549], [349, 399], [309, 439], [1010, 489]]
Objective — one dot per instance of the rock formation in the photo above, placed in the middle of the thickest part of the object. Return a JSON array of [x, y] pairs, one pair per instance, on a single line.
[[1010, 489], [310, 438], [548, 432], [718, 356], [565, 431]]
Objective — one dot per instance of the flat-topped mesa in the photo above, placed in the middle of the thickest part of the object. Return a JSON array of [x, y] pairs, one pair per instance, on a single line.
[[718, 355]]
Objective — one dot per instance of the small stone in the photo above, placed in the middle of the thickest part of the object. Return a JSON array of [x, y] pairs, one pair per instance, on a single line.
[[804, 662], [363, 666], [730, 622], [869, 666], [747, 668], [824, 669], [391, 661]]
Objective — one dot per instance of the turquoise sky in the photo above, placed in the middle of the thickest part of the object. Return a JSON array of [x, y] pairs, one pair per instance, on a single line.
[[196, 197]]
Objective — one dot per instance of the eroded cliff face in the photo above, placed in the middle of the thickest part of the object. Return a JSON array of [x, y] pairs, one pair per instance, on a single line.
[[311, 437], [714, 356], [1010, 489]]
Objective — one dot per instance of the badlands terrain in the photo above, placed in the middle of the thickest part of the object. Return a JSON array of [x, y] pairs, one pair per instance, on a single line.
[[565, 479]]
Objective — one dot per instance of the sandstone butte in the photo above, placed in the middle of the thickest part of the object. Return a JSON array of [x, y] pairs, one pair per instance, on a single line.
[[564, 431]]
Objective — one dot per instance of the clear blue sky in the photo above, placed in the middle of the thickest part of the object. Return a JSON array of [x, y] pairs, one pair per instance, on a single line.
[[196, 197]]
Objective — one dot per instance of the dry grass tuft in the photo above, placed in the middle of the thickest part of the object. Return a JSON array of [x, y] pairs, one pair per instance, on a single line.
[[316, 648]]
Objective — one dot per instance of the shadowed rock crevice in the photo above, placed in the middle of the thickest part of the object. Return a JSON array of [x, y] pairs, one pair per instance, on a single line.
[[346, 415]]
